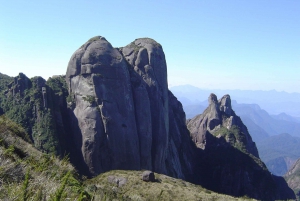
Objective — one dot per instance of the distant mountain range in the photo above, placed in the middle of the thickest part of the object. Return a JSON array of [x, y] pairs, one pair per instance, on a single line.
[[279, 152], [273, 102], [268, 131]]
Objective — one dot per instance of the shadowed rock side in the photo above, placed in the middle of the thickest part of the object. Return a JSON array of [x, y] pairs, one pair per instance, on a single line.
[[119, 102], [182, 152], [228, 158]]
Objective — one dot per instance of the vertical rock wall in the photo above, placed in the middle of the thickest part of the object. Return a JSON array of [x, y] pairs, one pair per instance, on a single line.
[[122, 119], [148, 69], [120, 105], [99, 80]]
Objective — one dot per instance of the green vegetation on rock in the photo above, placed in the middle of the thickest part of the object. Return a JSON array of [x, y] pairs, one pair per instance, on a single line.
[[233, 136], [90, 99], [4, 81], [33, 103]]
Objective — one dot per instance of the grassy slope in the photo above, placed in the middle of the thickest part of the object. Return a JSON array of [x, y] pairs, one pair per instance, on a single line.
[[46, 174], [28, 174], [165, 188]]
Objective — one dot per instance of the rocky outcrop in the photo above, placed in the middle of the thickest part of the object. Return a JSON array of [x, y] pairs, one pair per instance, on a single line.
[[148, 176], [219, 120], [229, 161], [120, 103], [38, 106]]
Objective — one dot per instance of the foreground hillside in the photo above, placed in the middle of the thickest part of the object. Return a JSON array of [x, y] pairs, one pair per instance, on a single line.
[[28, 174], [128, 185]]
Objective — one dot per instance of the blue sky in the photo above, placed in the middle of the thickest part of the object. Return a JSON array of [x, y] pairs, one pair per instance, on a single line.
[[230, 44]]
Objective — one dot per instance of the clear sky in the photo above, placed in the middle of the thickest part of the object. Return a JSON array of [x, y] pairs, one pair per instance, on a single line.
[[232, 44]]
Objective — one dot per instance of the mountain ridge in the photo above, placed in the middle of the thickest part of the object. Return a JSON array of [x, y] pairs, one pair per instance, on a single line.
[[272, 101]]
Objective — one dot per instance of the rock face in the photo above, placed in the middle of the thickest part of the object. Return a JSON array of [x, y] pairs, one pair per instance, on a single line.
[[293, 179], [120, 103], [99, 80], [219, 120], [229, 161]]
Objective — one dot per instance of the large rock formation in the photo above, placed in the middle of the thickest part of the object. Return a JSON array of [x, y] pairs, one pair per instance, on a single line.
[[120, 102]]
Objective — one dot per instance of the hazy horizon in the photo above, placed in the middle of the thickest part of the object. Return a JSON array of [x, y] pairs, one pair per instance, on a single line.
[[233, 89]]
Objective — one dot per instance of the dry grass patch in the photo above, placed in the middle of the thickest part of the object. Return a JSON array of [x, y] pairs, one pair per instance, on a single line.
[[165, 188]]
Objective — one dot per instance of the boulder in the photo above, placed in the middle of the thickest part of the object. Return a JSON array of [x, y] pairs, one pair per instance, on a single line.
[[148, 176], [119, 181]]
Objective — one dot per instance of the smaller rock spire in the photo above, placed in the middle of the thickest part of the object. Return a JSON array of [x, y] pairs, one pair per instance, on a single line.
[[212, 98], [225, 104]]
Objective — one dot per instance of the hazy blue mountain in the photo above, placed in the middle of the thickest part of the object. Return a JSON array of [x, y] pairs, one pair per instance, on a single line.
[[259, 121], [193, 110], [257, 133], [273, 102], [286, 117], [279, 152], [273, 126]]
